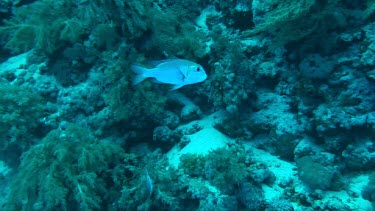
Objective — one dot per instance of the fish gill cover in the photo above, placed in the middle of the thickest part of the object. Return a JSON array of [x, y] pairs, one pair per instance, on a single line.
[[284, 120]]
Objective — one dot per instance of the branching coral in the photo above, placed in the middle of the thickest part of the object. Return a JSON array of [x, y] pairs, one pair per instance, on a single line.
[[166, 186], [69, 169], [370, 9], [20, 110], [49, 25], [174, 38], [36, 26], [222, 167], [293, 20], [125, 100]]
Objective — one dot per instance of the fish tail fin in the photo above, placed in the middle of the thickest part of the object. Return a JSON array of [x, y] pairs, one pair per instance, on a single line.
[[140, 71]]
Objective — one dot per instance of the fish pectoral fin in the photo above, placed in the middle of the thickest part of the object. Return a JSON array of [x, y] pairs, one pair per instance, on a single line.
[[177, 86], [184, 73]]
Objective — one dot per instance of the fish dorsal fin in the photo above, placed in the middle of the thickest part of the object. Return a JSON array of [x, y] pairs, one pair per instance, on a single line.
[[158, 62]]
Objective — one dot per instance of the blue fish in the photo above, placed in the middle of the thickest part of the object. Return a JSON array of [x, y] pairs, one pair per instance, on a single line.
[[178, 72]]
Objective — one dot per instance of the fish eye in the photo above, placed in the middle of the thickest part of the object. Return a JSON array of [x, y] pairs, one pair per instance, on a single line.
[[198, 69]]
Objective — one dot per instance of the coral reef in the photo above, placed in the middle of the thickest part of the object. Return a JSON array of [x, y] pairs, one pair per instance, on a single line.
[[21, 110], [284, 121], [242, 176], [73, 168]]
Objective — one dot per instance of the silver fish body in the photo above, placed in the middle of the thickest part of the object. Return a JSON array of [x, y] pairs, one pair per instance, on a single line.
[[178, 72]]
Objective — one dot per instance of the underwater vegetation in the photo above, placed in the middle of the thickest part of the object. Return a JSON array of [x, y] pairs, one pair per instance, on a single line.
[[233, 172], [291, 20], [74, 171], [284, 121], [20, 111]]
